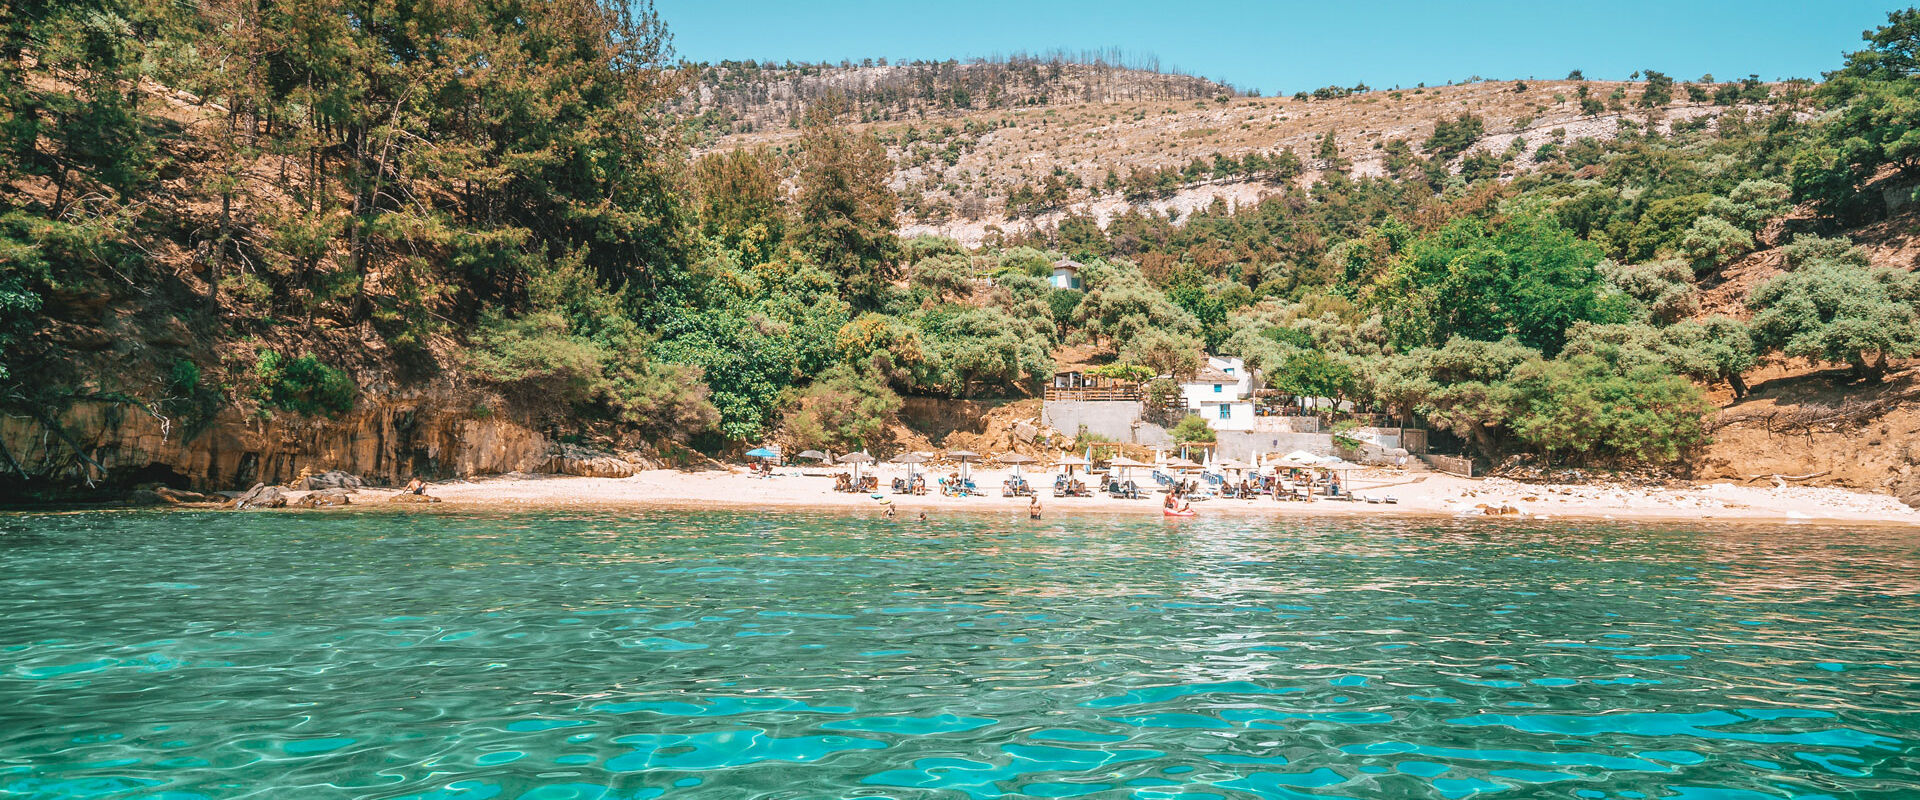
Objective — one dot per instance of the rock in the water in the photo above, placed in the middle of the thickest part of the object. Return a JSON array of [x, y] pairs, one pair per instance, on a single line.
[[160, 495], [325, 498], [179, 496], [261, 496], [409, 497], [333, 479], [145, 497]]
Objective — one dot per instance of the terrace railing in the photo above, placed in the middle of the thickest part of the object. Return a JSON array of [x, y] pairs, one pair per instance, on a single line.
[[1095, 393]]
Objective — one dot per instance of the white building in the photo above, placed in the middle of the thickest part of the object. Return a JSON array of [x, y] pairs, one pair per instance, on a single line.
[[1066, 274], [1222, 394]]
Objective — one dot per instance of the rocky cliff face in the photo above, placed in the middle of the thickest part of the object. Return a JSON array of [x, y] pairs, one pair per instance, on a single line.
[[386, 440]]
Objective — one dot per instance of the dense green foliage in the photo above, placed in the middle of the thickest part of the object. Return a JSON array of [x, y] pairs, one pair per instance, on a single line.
[[502, 193], [303, 385], [1836, 311]]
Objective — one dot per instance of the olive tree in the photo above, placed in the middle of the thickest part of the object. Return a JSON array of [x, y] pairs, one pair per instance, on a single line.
[[1839, 313]]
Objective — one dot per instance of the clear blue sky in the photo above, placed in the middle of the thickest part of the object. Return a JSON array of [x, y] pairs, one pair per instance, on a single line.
[[1289, 45]]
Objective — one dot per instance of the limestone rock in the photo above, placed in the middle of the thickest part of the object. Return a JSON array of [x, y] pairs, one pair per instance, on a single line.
[[326, 498], [178, 496], [145, 497], [406, 497], [390, 437], [586, 463], [261, 496], [160, 495], [334, 479]]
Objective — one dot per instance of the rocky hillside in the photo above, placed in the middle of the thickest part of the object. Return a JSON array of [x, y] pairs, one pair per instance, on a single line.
[[743, 97], [963, 174]]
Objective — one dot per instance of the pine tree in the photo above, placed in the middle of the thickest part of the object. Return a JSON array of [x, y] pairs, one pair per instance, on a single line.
[[846, 209]]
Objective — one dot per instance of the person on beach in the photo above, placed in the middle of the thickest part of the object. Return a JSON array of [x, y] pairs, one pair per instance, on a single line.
[[416, 486], [1033, 507]]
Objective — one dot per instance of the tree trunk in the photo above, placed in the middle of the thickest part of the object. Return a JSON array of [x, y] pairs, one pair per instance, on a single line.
[[1738, 383], [1484, 441], [217, 269]]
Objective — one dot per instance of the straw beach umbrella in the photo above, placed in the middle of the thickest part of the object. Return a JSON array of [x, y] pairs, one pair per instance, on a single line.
[[1015, 460], [965, 457], [1125, 465], [815, 455], [1070, 462], [856, 458], [909, 459]]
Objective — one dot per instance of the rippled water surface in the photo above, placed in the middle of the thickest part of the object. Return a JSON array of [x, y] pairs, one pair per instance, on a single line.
[[731, 656]]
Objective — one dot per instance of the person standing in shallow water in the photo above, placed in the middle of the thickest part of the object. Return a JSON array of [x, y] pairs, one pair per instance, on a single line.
[[1033, 507]]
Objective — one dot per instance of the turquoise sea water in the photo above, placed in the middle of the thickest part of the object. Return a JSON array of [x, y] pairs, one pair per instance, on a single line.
[[734, 655]]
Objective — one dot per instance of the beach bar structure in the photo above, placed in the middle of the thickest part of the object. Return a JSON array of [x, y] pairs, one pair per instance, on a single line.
[[1081, 386]]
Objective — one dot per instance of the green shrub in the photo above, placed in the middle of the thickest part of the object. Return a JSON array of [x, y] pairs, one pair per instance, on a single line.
[[1343, 435], [1192, 429], [843, 409], [1086, 438], [1124, 371], [304, 385], [535, 356], [183, 378]]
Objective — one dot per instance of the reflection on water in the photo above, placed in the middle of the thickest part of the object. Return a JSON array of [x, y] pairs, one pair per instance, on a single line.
[[725, 655]]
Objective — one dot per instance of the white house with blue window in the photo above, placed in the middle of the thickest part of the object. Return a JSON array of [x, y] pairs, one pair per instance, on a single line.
[[1222, 394]]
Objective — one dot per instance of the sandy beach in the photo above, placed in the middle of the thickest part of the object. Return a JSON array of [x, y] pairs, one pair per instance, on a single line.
[[1424, 494]]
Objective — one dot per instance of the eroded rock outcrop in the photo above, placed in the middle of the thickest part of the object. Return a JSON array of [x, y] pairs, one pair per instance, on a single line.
[[569, 459], [333, 479], [386, 440], [261, 496]]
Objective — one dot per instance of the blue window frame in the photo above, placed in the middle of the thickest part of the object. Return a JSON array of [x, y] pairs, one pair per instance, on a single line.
[[1226, 412], [1219, 387]]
